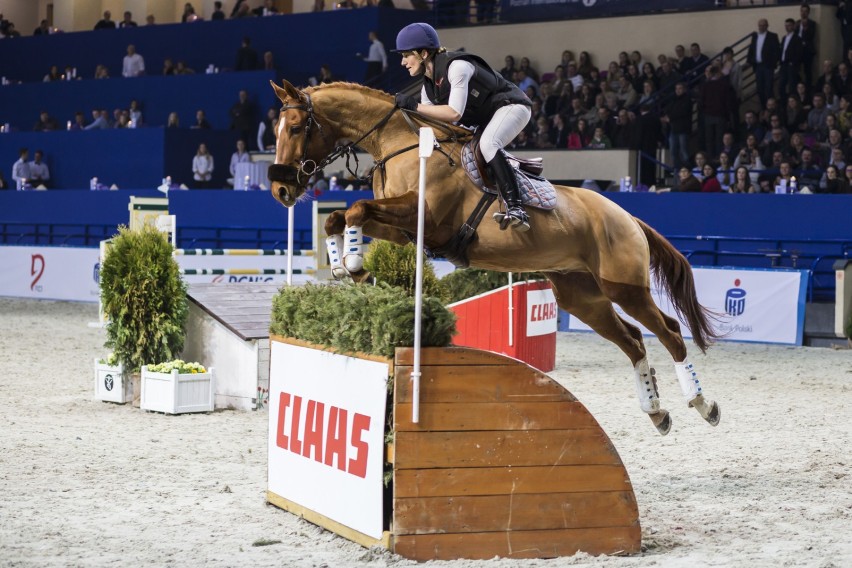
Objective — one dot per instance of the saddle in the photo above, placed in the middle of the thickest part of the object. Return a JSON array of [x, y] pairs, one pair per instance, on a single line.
[[532, 166]]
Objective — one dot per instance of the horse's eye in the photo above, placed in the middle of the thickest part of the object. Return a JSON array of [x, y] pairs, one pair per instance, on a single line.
[[295, 129]]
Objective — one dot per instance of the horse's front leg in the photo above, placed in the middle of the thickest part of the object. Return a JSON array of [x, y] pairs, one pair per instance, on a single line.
[[383, 219]]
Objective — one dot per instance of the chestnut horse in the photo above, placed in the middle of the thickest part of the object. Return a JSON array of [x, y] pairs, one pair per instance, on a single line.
[[593, 252]]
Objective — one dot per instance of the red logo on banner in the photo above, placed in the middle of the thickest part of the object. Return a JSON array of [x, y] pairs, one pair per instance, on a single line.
[[543, 312], [324, 442], [36, 260]]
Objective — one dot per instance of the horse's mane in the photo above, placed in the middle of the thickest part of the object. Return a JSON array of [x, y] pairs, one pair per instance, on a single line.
[[376, 94]]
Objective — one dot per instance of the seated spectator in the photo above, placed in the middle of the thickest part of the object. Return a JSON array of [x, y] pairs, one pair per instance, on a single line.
[[134, 63], [816, 116], [635, 78], [326, 76], [269, 62], [149, 20], [39, 172], [797, 147], [785, 174], [700, 161], [710, 183], [573, 75], [42, 29], [742, 181], [752, 126], [613, 76], [809, 172], [123, 120], [241, 156], [525, 81], [101, 72], [599, 141], [106, 23], [182, 69], [626, 94], [202, 167], [831, 98], [173, 121], [242, 10], [667, 76], [529, 70], [624, 129], [559, 132], [508, 70], [687, 182], [53, 74], [650, 74], [831, 182], [200, 121], [558, 81], [725, 171], [776, 143], [579, 137], [188, 15], [542, 135], [847, 178], [795, 117], [45, 123], [751, 160], [99, 120], [168, 66], [648, 93], [135, 113], [79, 121], [21, 168], [127, 22], [584, 65]]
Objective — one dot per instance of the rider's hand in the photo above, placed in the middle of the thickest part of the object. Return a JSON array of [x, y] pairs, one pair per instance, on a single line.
[[406, 102]]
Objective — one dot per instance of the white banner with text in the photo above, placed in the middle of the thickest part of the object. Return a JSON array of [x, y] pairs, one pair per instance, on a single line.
[[756, 305], [326, 434]]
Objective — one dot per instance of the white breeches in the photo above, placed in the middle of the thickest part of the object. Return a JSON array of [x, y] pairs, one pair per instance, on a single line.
[[503, 127]]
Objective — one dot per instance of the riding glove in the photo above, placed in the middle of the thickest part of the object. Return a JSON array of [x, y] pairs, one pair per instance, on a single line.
[[406, 102]]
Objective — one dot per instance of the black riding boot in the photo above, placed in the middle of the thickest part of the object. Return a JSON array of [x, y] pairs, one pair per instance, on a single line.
[[504, 176]]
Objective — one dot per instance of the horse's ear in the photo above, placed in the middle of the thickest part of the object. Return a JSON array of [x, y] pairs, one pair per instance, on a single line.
[[279, 92], [288, 91]]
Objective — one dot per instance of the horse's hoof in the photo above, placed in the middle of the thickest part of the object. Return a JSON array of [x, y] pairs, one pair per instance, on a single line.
[[340, 273], [715, 415], [662, 421]]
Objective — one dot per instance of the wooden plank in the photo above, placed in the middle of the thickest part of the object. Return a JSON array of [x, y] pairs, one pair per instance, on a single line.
[[241, 309], [251, 333], [503, 448], [506, 480], [474, 383], [437, 417], [536, 511], [327, 523], [520, 544], [235, 319], [449, 356]]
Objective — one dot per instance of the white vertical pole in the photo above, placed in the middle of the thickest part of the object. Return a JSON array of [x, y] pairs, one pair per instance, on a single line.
[[511, 314], [291, 216], [427, 144]]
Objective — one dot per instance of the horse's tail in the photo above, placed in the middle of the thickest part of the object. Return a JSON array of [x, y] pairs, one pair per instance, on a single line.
[[672, 270]]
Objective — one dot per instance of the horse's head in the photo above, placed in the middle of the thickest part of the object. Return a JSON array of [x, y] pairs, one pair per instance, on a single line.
[[300, 144]]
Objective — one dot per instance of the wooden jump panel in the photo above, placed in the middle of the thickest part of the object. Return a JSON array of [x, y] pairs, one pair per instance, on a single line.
[[503, 462]]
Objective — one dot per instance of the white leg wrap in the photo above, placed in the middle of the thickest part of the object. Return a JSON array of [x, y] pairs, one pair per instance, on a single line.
[[334, 244], [688, 379], [353, 255], [646, 387]]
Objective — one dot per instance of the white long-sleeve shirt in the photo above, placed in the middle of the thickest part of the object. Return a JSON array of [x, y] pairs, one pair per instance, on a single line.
[[377, 53], [202, 167], [134, 65]]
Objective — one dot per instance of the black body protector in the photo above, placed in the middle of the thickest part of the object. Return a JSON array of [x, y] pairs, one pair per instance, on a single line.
[[487, 91]]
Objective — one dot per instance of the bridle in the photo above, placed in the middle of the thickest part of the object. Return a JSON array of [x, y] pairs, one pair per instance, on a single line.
[[299, 176]]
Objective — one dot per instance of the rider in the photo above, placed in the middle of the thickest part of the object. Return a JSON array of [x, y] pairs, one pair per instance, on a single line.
[[461, 87]]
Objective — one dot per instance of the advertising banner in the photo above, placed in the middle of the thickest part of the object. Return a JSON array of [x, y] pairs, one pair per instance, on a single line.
[[535, 10], [50, 273], [326, 434], [541, 312], [762, 306]]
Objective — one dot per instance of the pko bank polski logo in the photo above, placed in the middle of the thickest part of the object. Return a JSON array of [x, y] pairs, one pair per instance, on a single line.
[[735, 300]]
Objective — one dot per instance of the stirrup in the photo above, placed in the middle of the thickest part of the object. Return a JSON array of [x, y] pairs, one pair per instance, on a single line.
[[514, 217]]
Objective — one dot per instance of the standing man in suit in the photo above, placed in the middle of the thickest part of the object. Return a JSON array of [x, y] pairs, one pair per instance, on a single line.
[[791, 58], [806, 30], [763, 55]]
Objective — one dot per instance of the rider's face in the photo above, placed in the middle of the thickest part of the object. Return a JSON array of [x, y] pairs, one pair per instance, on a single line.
[[412, 61]]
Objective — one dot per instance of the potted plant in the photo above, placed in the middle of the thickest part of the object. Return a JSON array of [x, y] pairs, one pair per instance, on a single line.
[[177, 387], [111, 385], [144, 301]]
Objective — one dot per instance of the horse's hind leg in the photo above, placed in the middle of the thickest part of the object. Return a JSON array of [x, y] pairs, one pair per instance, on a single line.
[[579, 294], [637, 302]]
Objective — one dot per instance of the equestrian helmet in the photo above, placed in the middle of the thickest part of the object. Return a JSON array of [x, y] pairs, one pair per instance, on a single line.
[[417, 36]]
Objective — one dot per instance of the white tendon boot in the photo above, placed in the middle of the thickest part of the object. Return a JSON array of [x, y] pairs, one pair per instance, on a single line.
[[334, 244], [646, 387], [353, 256], [691, 388]]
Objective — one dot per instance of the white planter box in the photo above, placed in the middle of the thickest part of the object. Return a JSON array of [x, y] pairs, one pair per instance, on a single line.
[[176, 393], [111, 385]]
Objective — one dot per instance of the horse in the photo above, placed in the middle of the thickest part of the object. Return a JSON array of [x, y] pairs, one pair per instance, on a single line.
[[592, 251]]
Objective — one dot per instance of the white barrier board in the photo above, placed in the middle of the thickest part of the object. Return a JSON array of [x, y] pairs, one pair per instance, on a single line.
[[762, 306], [50, 273], [326, 434], [541, 312]]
